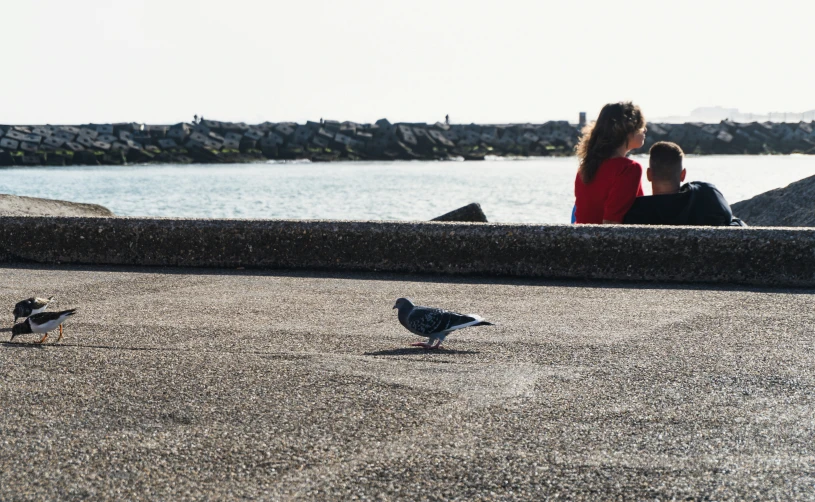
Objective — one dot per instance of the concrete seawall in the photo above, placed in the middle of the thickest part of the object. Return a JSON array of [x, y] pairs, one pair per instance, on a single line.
[[754, 256]]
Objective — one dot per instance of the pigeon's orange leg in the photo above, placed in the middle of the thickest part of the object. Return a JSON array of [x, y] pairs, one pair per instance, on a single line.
[[43, 338], [60, 333]]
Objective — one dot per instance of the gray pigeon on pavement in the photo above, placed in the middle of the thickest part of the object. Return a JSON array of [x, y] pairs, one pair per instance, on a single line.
[[433, 323]]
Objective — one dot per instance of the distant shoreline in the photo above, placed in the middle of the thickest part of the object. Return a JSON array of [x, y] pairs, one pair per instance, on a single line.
[[214, 142]]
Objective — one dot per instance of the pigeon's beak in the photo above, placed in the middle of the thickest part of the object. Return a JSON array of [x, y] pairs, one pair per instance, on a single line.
[[394, 307]]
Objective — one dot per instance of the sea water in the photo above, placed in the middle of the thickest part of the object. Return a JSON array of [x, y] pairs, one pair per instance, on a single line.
[[539, 190]]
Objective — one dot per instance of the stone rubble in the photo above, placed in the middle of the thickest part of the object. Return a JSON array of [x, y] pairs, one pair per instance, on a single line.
[[211, 141]]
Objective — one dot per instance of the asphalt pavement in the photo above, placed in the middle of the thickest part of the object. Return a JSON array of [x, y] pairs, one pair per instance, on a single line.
[[174, 384]]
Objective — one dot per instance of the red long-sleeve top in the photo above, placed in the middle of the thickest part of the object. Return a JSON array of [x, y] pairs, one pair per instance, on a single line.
[[610, 194]]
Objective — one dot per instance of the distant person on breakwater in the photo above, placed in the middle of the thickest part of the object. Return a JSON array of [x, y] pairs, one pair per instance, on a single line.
[[694, 203], [607, 181]]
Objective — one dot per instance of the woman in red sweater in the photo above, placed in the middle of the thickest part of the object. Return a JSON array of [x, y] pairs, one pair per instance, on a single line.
[[607, 181]]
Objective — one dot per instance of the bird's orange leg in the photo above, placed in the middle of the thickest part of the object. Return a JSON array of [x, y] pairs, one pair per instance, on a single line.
[[60, 333], [429, 346], [43, 338]]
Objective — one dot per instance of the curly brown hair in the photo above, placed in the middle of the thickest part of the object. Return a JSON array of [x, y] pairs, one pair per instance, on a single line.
[[602, 138]]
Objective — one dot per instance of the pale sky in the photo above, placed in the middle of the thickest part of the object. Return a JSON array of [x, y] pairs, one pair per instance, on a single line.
[[497, 61]]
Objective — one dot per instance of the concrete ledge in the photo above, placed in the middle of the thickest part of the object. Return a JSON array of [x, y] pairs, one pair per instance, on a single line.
[[756, 256]]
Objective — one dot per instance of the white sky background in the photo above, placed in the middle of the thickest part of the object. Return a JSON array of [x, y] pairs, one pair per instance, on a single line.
[[498, 61]]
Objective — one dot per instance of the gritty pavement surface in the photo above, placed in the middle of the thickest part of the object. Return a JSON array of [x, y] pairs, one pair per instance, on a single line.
[[176, 384]]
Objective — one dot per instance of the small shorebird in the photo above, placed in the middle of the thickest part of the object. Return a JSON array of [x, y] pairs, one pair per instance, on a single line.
[[433, 323], [42, 323], [31, 306]]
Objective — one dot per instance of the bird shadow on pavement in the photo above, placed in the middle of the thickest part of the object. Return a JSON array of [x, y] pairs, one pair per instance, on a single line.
[[416, 351], [266, 354], [34, 345], [22, 345], [5, 330]]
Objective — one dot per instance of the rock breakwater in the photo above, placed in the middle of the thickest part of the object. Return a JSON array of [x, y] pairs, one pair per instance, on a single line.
[[210, 141]]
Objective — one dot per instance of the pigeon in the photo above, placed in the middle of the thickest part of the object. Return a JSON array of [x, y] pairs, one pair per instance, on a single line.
[[31, 306], [433, 323], [42, 323]]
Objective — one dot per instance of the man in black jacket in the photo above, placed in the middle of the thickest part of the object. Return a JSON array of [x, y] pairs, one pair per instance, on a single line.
[[694, 203]]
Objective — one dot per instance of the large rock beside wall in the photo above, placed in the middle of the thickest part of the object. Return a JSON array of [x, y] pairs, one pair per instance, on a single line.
[[13, 205], [791, 206], [471, 212]]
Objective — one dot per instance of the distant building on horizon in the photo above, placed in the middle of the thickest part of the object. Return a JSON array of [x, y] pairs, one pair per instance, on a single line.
[[716, 114]]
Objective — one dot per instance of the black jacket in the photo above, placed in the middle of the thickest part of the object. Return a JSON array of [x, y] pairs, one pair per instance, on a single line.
[[696, 203]]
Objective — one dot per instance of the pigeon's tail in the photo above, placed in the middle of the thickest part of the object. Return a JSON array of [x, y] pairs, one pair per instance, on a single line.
[[67, 313], [476, 320]]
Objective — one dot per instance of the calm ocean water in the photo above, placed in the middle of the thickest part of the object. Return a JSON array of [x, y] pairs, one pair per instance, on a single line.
[[528, 191]]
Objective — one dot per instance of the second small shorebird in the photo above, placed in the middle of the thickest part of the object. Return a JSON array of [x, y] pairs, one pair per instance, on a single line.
[[30, 306], [42, 323]]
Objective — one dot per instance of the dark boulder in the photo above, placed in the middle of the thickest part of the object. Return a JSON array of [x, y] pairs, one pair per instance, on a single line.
[[85, 157], [470, 212], [790, 206], [55, 159], [6, 159]]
